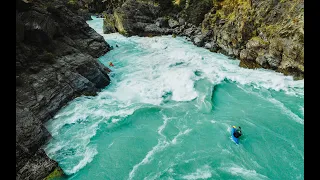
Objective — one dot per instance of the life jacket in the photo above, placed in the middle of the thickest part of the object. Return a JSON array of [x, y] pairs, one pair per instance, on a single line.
[[236, 134]]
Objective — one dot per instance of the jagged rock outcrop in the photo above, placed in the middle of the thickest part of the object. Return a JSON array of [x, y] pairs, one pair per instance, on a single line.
[[268, 34], [134, 18], [138, 18], [56, 61], [98, 6], [86, 8], [193, 11], [109, 24]]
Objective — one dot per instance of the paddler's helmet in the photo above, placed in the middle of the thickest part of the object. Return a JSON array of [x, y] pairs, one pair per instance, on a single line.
[[234, 126]]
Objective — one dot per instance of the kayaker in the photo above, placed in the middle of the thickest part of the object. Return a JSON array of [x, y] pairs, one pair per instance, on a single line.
[[237, 133], [110, 64]]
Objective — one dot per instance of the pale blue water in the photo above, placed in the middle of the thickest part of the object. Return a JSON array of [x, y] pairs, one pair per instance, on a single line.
[[167, 115]]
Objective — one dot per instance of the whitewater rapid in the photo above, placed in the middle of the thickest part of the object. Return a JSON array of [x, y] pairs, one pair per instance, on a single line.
[[174, 81]]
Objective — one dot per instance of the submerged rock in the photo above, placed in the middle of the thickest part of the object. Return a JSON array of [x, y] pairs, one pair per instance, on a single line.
[[209, 45], [173, 23], [198, 40]]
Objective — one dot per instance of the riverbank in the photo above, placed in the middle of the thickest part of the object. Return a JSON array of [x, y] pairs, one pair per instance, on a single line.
[[262, 34], [168, 112], [56, 62]]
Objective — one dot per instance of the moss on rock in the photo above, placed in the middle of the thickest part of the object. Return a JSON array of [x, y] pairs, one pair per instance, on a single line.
[[108, 24], [56, 173], [119, 22], [249, 64], [259, 40]]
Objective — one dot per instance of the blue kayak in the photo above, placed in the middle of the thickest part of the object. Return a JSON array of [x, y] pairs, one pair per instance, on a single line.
[[236, 140]]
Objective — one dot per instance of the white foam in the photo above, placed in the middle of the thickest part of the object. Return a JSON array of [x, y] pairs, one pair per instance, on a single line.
[[79, 137], [201, 173], [159, 173], [110, 144], [302, 110], [279, 104], [286, 111], [55, 126], [87, 158], [245, 173], [161, 128], [51, 149], [87, 133], [150, 75], [119, 113], [226, 151], [160, 65], [96, 25], [219, 67], [174, 140], [148, 84], [180, 83], [162, 144]]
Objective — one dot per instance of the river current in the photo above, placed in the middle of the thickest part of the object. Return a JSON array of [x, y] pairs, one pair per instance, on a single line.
[[168, 113]]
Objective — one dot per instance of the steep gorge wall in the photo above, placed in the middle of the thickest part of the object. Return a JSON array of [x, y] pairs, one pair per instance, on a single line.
[[56, 61], [56, 50], [95, 6], [261, 33]]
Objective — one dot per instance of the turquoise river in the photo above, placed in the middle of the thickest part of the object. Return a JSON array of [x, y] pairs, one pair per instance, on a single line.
[[168, 113]]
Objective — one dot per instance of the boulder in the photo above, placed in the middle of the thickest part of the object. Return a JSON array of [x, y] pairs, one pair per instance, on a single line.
[[162, 22], [182, 21], [133, 17], [173, 23], [108, 24]]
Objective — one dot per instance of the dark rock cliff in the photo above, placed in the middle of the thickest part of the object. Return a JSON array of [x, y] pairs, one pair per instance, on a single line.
[[261, 33], [133, 18], [56, 50], [56, 61]]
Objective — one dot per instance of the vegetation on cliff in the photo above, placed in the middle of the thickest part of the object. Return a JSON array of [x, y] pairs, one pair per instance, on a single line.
[[267, 33], [55, 174], [261, 33]]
